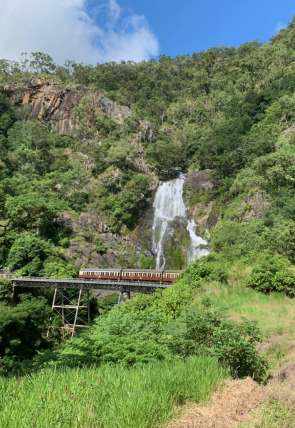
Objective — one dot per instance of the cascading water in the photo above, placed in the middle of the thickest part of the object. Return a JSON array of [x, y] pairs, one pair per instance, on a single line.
[[194, 252], [168, 205]]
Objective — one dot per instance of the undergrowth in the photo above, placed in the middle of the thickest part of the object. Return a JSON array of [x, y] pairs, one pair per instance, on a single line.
[[107, 397]]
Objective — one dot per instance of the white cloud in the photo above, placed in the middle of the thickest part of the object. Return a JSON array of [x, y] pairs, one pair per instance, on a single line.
[[67, 29]]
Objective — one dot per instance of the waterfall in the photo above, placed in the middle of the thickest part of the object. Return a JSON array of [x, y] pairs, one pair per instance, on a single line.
[[168, 205], [194, 252]]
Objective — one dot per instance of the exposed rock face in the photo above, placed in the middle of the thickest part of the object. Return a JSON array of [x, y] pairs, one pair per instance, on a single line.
[[175, 243], [200, 181], [90, 222], [205, 215], [253, 206], [147, 133], [121, 250], [49, 101]]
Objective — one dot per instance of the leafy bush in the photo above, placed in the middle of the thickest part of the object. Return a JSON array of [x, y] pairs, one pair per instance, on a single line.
[[271, 273], [27, 250], [124, 338], [23, 332], [5, 290], [146, 262], [157, 327], [200, 330], [105, 304], [58, 269], [166, 156], [125, 206], [99, 245]]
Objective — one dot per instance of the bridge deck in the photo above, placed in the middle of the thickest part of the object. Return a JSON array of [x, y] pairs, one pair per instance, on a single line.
[[93, 284]]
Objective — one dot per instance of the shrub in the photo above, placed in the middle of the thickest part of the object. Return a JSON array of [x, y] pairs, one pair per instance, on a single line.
[[22, 332], [201, 330], [5, 290], [99, 245], [271, 273]]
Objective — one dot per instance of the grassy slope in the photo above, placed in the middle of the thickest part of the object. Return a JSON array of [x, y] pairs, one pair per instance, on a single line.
[[109, 397], [274, 313]]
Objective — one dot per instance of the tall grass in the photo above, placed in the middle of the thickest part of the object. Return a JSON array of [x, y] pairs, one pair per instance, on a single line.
[[106, 397], [275, 312]]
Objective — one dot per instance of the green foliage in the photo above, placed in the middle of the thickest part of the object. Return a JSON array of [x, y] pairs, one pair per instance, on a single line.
[[158, 327], [166, 157], [58, 269], [106, 396], [146, 262], [276, 414], [207, 331], [125, 206], [271, 273], [22, 332], [105, 304], [7, 115], [5, 290], [27, 251], [105, 126], [99, 245], [120, 155], [124, 338]]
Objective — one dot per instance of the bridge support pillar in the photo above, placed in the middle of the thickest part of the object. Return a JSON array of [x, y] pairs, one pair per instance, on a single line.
[[124, 295], [73, 312]]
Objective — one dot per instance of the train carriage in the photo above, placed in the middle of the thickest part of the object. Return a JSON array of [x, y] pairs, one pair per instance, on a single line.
[[130, 274], [92, 273], [141, 274], [171, 275]]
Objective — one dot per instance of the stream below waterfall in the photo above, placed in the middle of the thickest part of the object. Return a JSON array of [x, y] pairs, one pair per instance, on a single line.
[[168, 205]]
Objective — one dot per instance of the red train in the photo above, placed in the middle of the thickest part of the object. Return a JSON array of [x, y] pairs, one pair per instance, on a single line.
[[131, 274]]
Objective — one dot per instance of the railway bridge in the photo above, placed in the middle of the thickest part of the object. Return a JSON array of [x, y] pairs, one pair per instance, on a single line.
[[77, 314]]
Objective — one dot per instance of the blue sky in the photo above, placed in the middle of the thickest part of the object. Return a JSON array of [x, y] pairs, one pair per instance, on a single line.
[[92, 31], [186, 26]]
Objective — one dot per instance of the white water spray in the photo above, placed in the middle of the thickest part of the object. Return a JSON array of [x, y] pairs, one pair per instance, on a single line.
[[168, 205]]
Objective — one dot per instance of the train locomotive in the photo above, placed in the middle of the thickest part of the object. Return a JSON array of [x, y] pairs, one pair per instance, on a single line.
[[152, 275]]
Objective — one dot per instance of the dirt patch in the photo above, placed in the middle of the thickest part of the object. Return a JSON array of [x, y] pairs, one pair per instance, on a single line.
[[245, 402], [234, 403], [283, 377], [270, 342]]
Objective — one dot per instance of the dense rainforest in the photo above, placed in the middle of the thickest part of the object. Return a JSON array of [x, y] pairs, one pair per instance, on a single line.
[[79, 194]]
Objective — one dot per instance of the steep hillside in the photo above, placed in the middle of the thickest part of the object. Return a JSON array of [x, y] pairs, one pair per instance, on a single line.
[[94, 138], [82, 151]]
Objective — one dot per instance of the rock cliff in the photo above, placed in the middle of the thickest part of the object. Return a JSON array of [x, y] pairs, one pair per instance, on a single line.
[[47, 100]]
